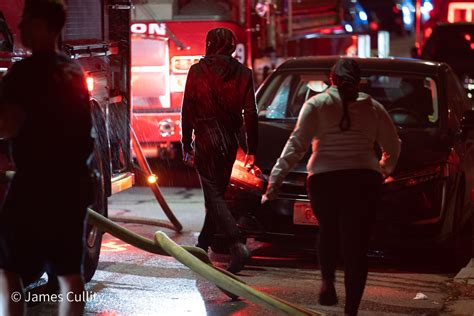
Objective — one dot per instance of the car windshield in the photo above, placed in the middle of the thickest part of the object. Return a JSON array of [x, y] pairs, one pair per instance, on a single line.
[[411, 100]]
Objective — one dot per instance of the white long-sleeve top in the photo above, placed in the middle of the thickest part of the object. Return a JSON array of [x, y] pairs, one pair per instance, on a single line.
[[333, 149]]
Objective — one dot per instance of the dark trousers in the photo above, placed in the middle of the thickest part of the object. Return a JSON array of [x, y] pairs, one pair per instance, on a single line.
[[345, 203], [216, 150]]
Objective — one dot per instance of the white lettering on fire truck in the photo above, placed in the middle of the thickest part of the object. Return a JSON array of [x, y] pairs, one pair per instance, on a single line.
[[148, 28]]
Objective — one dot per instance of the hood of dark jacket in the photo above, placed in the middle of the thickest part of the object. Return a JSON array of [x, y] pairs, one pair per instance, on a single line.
[[219, 67]]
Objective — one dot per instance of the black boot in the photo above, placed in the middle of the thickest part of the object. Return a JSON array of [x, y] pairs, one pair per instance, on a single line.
[[327, 294], [239, 254]]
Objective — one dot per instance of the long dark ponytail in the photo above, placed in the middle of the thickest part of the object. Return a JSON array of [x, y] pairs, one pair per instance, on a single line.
[[345, 74]]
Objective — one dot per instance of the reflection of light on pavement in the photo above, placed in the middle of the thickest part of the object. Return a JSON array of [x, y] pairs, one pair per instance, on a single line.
[[113, 246], [129, 292]]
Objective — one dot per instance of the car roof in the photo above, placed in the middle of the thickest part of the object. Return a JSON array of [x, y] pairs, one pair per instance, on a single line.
[[391, 64]]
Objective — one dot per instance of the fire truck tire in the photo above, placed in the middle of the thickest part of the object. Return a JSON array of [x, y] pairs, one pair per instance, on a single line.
[[93, 238]]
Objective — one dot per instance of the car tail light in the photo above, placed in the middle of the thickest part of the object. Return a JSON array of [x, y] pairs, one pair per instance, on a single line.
[[416, 178], [252, 178]]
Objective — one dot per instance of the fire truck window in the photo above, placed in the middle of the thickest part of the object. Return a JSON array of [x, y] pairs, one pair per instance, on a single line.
[[150, 70], [148, 52]]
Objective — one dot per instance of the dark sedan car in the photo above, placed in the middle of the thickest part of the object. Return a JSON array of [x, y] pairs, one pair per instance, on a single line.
[[426, 202]]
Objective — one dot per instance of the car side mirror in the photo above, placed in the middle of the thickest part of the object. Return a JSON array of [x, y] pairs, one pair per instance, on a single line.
[[414, 52]]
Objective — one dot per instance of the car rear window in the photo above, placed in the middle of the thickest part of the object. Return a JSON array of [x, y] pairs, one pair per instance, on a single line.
[[410, 100]]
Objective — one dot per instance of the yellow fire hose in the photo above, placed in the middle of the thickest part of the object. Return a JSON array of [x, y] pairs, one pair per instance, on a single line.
[[197, 260], [174, 222]]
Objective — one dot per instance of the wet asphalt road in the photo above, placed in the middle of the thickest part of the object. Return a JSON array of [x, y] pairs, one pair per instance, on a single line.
[[133, 282]]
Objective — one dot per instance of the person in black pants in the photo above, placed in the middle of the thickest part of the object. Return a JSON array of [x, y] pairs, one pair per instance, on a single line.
[[218, 90], [345, 203], [45, 112], [345, 174]]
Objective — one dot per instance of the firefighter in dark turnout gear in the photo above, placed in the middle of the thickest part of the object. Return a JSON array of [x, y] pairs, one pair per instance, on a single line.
[[218, 91]]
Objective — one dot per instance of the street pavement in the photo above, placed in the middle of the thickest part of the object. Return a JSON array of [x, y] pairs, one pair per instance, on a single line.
[[133, 282]]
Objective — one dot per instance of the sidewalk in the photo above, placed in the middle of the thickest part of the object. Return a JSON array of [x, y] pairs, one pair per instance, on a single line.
[[463, 291]]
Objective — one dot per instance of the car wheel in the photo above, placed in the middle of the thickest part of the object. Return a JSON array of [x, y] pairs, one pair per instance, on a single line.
[[459, 249], [93, 237]]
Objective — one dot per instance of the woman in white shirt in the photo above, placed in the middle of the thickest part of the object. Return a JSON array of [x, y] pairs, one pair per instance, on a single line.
[[345, 176]]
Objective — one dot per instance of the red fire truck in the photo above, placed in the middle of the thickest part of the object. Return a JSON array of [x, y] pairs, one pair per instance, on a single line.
[[168, 36], [97, 35]]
